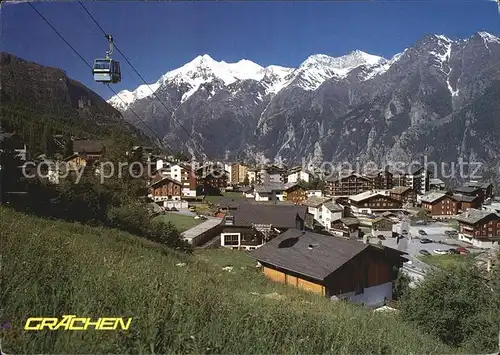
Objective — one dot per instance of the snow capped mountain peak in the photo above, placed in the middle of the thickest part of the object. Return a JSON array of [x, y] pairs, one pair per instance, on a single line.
[[125, 98], [320, 67], [361, 57], [275, 77], [488, 37], [442, 38]]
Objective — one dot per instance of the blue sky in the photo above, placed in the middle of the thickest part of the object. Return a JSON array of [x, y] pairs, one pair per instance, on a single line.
[[160, 36]]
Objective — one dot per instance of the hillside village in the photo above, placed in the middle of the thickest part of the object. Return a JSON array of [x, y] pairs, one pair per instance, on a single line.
[[343, 237]]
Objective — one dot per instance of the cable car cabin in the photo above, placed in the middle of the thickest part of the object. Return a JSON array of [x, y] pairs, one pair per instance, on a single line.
[[107, 71]]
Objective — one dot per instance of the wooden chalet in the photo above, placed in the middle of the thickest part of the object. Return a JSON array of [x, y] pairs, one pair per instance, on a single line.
[[333, 267]]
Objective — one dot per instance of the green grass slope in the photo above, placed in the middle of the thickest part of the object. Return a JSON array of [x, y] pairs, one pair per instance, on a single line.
[[179, 303]]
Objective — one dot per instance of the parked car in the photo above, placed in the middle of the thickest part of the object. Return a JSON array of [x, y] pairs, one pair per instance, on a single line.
[[404, 233], [174, 209], [422, 232], [425, 241], [424, 252], [381, 237], [453, 251], [192, 208], [451, 232], [420, 222], [441, 252], [462, 250]]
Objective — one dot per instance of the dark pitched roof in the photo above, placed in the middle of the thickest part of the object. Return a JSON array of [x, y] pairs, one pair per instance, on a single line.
[[473, 216], [310, 254], [331, 206], [315, 201], [464, 198], [165, 179], [349, 221], [280, 216], [88, 146], [268, 188], [290, 185], [466, 189], [342, 176], [432, 197], [246, 189], [483, 185], [398, 190]]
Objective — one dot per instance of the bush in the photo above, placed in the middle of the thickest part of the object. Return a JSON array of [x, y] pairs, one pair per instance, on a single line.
[[455, 304], [135, 218]]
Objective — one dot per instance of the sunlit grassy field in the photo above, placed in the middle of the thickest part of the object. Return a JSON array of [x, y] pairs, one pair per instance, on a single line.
[[180, 221], [179, 303], [445, 260]]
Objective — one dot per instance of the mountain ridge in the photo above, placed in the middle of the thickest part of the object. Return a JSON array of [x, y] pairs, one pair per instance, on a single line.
[[318, 110]]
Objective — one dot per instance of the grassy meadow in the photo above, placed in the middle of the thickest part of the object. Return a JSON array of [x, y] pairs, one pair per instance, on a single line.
[[179, 303]]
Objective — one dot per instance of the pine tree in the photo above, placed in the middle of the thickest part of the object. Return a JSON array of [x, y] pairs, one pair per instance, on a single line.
[[68, 147], [47, 142]]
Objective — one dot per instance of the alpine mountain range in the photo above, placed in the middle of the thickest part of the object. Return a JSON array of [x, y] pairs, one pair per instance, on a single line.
[[439, 98]]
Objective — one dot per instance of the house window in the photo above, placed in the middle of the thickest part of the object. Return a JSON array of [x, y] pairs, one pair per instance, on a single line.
[[359, 289], [231, 239]]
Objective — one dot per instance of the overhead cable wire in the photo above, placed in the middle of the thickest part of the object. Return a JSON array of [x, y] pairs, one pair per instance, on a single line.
[[171, 112], [90, 66]]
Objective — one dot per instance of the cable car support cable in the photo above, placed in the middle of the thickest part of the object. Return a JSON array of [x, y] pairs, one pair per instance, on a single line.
[[90, 66]]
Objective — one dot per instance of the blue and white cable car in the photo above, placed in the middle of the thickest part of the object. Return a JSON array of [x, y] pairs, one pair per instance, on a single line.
[[107, 70]]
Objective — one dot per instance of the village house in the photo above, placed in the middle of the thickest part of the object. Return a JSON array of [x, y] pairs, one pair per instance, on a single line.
[[479, 228], [92, 149], [269, 192], [414, 176], [486, 188], [211, 180], [166, 189], [347, 185], [252, 176], [472, 189], [465, 202], [238, 173], [248, 226], [347, 227], [332, 267], [440, 204], [373, 201], [75, 162], [297, 174], [247, 191], [330, 211], [187, 177], [316, 193], [405, 194], [314, 206], [294, 193], [382, 227], [436, 185], [381, 179]]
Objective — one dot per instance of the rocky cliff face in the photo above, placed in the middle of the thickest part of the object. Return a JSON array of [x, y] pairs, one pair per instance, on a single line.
[[439, 98]]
